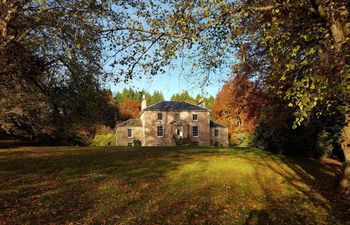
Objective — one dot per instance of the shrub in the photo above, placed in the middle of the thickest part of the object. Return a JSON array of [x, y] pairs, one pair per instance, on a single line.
[[245, 140], [319, 136], [137, 143], [104, 136], [324, 144], [233, 140]]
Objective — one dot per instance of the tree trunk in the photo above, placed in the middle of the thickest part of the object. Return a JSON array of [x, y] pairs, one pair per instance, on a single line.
[[345, 180], [340, 33]]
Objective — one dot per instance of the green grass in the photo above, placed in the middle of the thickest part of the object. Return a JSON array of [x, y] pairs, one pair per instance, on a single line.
[[166, 186]]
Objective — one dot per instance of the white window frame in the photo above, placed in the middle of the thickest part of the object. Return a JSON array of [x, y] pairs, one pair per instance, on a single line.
[[161, 116], [216, 130], [196, 117], [193, 131], [158, 131], [132, 133], [130, 144]]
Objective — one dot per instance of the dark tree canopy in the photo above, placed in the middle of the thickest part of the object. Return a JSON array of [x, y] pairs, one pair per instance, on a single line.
[[297, 50]]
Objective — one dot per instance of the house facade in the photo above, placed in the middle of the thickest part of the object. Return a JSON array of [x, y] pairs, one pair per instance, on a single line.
[[171, 123]]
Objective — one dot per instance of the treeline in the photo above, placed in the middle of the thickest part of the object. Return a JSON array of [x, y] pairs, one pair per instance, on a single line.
[[129, 100], [256, 118], [186, 97]]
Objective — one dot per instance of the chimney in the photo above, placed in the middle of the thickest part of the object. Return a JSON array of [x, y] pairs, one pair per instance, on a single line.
[[144, 102], [202, 103]]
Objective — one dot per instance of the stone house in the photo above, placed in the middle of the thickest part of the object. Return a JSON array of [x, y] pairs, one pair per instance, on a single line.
[[170, 123]]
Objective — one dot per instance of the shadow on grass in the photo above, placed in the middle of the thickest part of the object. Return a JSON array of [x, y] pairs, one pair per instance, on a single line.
[[315, 184], [129, 186], [87, 185]]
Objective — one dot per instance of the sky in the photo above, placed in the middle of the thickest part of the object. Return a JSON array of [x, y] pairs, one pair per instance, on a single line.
[[174, 81]]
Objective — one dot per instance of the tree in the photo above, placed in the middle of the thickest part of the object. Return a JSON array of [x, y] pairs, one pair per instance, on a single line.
[[51, 78], [129, 109], [183, 97], [157, 96], [209, 101], [238, 104]]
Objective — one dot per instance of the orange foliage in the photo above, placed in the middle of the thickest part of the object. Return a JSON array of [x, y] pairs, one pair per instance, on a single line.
[[129, 109], [237, 105]]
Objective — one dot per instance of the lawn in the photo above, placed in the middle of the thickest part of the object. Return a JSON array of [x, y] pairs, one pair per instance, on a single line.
[[99, 185]]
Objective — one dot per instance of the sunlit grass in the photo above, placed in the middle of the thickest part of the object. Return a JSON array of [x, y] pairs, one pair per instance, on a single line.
[[165, 186]]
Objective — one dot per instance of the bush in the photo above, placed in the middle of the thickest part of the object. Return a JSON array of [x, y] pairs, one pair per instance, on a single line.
[[324, 144], [245, 140], [137, 143], [239, 139], [104, 136], [318, 137], [233, 140]]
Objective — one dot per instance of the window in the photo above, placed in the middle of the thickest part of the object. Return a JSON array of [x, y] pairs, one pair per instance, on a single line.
[[195, 131], [177, 116], [216, 144], [160, 116], [195, 143], [129, 144], [195, 117], [160, 131], [216, 133], [129, 133]]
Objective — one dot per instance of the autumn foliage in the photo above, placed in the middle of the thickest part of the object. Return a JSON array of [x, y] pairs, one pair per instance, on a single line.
[[128, 109], [238, 104]]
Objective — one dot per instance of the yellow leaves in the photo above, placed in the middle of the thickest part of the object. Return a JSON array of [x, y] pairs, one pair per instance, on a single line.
[[295, 50], [206, 11], [312, 86], [290, 66]]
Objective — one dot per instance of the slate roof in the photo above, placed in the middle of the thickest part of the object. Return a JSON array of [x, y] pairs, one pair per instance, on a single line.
[[131, 123], [215, 124], [175, 106]]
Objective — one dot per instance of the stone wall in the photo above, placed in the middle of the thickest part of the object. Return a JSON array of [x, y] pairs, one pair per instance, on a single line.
[[222, 139], [122, 135]]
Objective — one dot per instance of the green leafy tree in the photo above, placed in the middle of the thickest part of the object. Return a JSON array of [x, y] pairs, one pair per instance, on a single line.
[[51, 77], [157, 96], [209, 101], [183, 97]]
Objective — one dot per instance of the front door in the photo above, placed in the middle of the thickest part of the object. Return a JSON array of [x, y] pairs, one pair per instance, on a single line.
[[179, 132]]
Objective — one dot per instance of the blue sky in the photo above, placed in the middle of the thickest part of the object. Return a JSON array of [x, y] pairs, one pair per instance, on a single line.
[[176, 80]]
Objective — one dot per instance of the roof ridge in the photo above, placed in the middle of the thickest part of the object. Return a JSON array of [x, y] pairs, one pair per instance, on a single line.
[[126, 121], [153, 104], [195, 105], [213, 121], [167, 106]]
